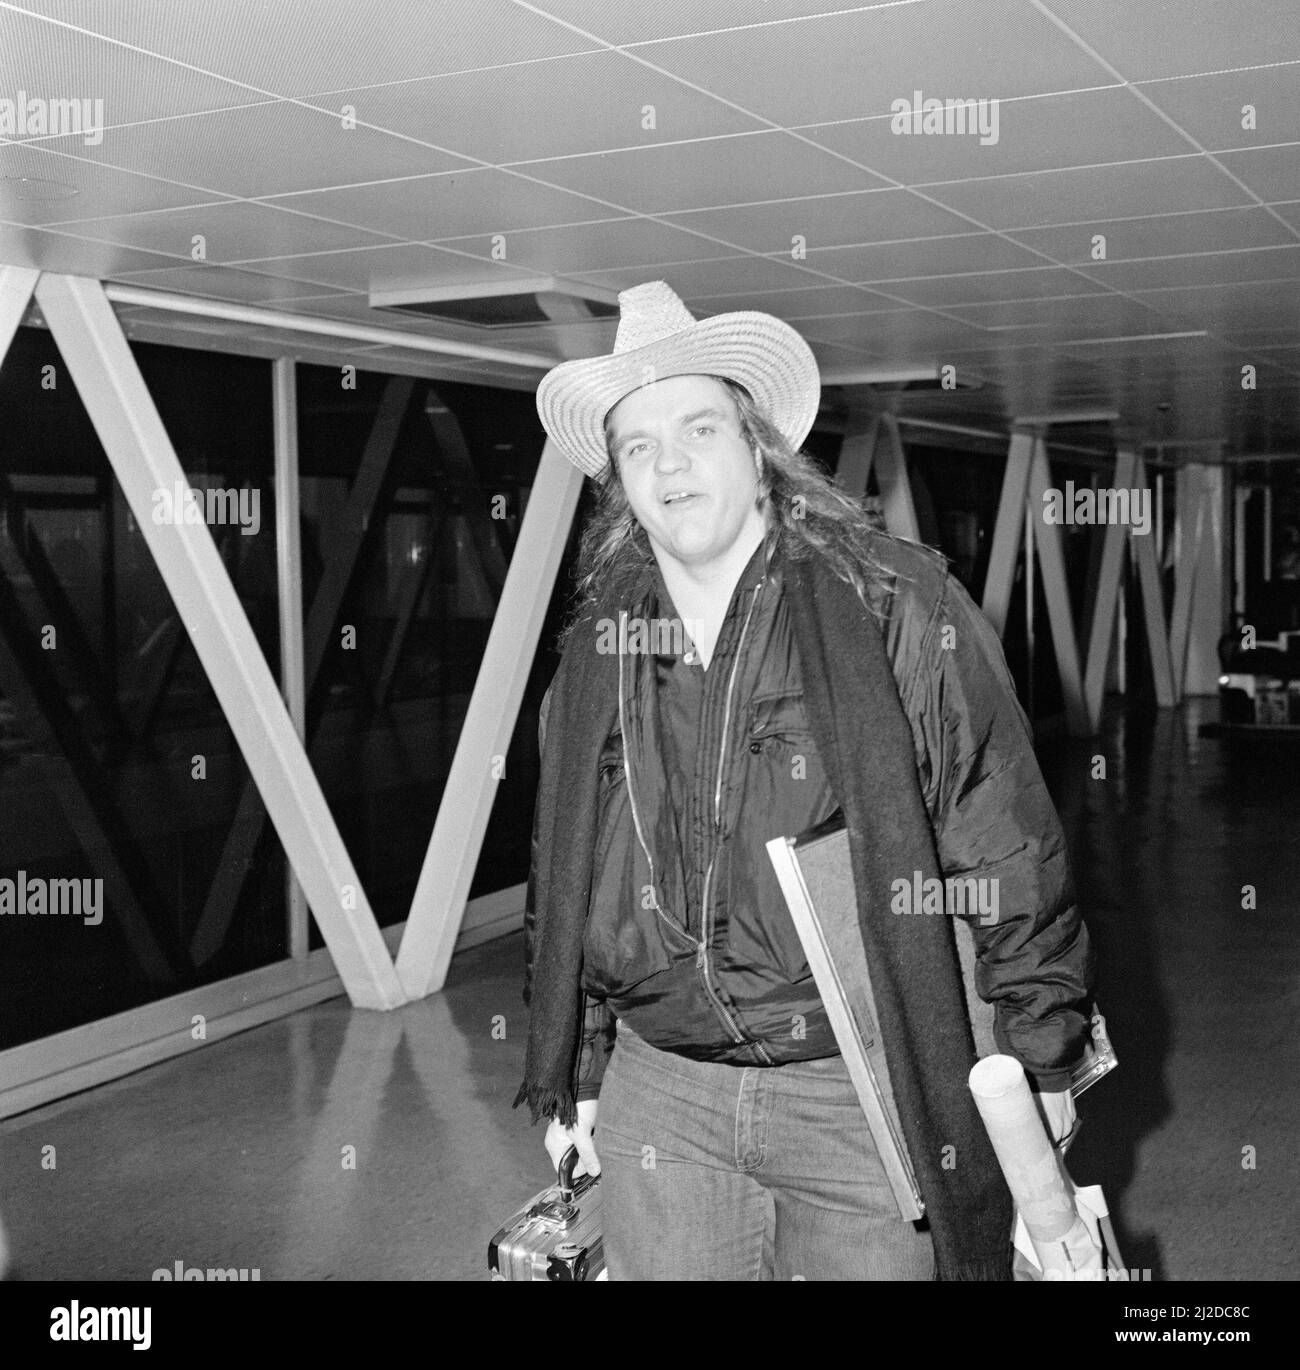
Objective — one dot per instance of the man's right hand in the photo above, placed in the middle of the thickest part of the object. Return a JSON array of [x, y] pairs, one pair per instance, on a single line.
[[560, 1139]]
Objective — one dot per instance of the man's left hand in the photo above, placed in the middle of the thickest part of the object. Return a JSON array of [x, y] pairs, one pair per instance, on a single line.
[[1058, 1114]]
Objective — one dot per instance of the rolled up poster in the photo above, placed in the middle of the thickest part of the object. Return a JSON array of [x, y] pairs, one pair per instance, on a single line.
[[1029, 1163]]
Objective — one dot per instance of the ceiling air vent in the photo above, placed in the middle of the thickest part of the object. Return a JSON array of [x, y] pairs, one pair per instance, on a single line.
[[497, 303]]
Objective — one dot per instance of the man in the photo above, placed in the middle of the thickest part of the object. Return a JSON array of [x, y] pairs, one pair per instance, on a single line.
[[749, 655]]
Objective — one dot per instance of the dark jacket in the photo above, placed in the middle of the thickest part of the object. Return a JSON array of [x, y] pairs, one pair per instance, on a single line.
[[930, 681], [991, 814]]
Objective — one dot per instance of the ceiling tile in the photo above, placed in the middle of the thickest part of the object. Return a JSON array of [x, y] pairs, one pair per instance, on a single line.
[[22, 246], [1223, 307], [805, 303], [592, 247], [1040, 282], [557, 108], [100, 190], [721, 276], [632, 21], [431, 208], [864, 60], [282, 49], [1165, 234], [702, 175], [1273, 173], [51, 61], [1207, 268], [233, 231], [1032, 134], [829, 356], [222, 283], [1183, 36], [1210, 108], [1081, 316], [1123, 190], [897, 331], [263, 150], [825, 221], [892, 261], [1290, 213]]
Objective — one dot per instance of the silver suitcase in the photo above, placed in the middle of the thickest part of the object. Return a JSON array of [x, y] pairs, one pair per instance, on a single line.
[[557, 1235]]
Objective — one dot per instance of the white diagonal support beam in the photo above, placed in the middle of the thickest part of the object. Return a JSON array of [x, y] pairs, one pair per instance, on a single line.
[[1153, 605], [895, 488], [1005, 551], [1106, 595], [16, 286], [1190, 513], [1056, 590], [1199, 604], [449, 864], [856, 452], [124, 415]]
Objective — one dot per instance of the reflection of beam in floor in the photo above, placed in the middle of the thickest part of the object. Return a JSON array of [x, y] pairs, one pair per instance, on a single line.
[[342, 543], [343, 1164], [414, 579], [79, 785], [366, 1096]]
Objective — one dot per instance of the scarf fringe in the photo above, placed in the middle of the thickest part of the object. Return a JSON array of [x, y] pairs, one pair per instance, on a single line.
[[548, 1104]]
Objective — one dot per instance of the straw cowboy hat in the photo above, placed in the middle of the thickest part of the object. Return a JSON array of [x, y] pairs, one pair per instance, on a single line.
[[658, 337]]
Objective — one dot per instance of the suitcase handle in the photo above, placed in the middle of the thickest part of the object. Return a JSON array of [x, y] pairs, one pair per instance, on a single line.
[[564, 1172]]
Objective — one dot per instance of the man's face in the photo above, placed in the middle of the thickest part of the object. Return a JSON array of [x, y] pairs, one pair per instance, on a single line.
[[689, 475]]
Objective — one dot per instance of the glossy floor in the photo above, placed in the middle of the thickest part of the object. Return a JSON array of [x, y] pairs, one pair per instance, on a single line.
[[337, 1144]]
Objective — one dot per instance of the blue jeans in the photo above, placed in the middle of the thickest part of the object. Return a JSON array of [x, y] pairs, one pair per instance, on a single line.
[[720, 1172]]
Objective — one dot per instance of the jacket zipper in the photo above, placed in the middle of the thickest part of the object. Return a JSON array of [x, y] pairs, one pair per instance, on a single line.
[[631, 789], [702, 954]]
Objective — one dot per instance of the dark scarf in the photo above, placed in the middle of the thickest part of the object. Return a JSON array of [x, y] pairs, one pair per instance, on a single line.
[[864, 738]]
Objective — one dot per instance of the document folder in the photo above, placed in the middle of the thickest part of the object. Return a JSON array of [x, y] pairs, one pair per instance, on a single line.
[[816, 877], [817, 881]]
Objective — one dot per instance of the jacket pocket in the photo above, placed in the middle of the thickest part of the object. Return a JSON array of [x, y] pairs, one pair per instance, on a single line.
[[778, 724], [625, 942]]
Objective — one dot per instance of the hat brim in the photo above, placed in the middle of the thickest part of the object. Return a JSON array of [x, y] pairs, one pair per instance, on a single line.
[[759, 351]]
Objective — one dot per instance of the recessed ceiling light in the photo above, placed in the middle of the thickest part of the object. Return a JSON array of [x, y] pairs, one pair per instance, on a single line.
[[33, 188]]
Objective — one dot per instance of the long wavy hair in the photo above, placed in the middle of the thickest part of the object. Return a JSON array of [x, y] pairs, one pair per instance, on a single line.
[[814, 516]]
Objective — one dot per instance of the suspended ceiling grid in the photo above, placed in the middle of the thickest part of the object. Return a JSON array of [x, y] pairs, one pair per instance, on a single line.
[[615, 142]]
